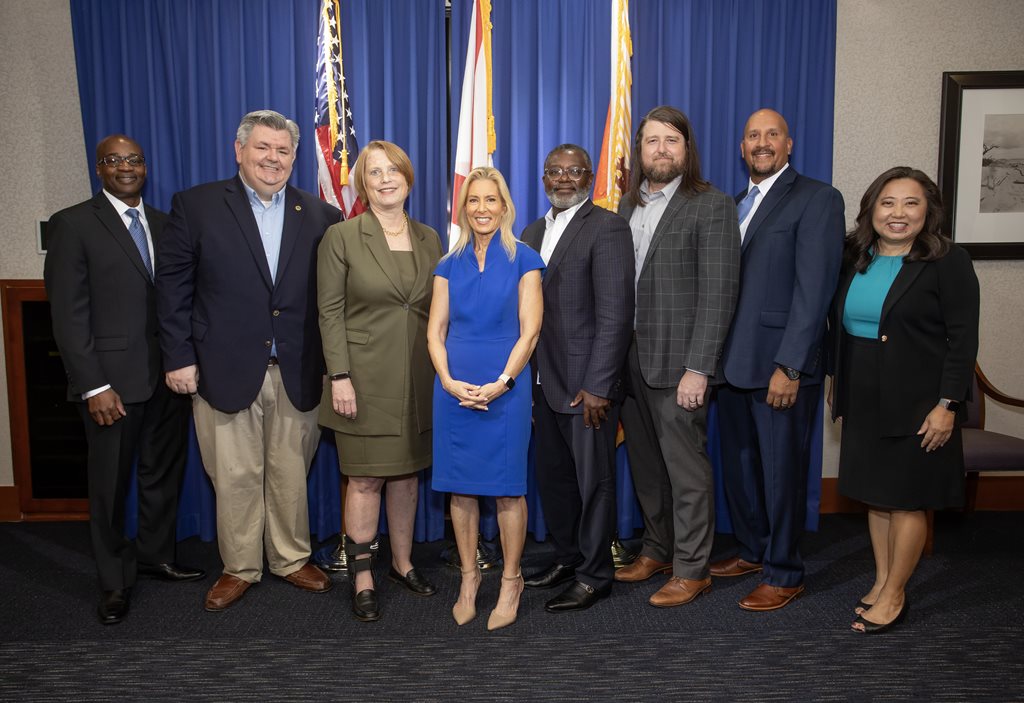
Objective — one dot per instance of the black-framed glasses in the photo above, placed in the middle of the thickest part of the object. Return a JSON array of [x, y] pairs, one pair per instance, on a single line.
[[574, 173], [113, 160]]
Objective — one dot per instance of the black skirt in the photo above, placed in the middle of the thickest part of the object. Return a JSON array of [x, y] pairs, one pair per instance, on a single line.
[[890, 472]]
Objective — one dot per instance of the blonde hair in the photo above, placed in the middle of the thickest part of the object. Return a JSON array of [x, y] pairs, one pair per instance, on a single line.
[[394, 153], [508, 240]]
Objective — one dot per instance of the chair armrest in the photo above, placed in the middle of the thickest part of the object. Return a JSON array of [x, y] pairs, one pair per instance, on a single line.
[[994, 393]]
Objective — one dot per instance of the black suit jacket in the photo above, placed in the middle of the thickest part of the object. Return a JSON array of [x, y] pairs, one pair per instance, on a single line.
[[588, 307], [220, 308], [928, 340], [102, 301]]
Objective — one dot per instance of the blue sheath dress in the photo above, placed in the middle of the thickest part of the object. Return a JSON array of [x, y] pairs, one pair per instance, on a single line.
[[477, 452]]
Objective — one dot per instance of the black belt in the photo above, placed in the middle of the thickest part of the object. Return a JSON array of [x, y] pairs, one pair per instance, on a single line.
[[272, 361]]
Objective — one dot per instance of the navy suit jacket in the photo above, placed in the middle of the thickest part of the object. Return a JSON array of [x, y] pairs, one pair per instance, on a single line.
[[220, 308], [789, 267], [588, 307], [102, 301]]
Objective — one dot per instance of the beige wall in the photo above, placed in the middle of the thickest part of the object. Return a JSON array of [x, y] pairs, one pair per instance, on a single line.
[[42, 145], [890, 57]]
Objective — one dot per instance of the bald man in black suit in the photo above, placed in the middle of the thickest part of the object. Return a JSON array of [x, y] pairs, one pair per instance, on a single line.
[[99, 279]]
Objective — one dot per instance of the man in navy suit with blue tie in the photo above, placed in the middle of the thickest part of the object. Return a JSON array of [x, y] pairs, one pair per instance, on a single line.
[[792, 230]]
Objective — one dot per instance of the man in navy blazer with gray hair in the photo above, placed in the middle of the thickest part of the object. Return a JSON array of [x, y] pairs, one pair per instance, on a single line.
[[236, 297], [792, 245]]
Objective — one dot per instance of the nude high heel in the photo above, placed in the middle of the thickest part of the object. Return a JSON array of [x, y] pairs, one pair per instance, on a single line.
[[465, 613], [497, 621]]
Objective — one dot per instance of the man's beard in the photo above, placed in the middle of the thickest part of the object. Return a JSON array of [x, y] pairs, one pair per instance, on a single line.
[[564, 202], [664, 171]]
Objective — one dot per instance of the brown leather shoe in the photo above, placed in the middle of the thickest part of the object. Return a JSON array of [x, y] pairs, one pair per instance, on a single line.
[[734, 566], [679, 591], [766, 597], [227, 591], [310, 578], [642, 569]]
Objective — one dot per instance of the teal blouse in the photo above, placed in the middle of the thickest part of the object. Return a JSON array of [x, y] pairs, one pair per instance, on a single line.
[[864, 301]]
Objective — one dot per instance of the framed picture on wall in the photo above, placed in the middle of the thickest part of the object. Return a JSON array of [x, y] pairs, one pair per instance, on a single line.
[[981, 161]]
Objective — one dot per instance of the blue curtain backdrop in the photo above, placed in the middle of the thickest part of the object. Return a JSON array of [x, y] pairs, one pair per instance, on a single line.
[[178, 74], [717, 60]]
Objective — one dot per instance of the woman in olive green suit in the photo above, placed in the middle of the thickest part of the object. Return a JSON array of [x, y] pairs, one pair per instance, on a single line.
[[373, 289]]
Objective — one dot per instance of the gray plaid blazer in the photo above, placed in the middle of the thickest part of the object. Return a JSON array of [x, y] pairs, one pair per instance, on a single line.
[[688, 285]]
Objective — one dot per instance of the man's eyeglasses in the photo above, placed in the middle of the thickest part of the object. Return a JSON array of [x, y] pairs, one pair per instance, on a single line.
[[114, 160], [574, 173]]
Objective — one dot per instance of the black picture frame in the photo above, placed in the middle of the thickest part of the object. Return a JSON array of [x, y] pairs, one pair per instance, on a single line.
[[954, 86]]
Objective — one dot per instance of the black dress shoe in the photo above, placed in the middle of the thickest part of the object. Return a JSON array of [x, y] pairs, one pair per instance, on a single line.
[[171, 572], [114, 606], [578, 596], [413, 581], [364, 605], [550, 577]]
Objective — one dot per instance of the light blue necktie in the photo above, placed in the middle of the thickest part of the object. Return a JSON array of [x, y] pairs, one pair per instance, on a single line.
[[746, 204], [139, 237]]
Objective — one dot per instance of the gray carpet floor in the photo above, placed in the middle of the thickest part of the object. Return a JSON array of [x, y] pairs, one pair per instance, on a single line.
[[962, 641]]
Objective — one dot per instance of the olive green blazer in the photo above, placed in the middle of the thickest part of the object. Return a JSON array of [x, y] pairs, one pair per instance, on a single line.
[[371, 328]]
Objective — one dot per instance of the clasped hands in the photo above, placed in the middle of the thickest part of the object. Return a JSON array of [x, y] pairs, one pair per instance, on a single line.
[[472, 396]]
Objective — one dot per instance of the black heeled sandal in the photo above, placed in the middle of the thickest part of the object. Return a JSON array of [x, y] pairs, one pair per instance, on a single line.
[[874, 628], [364, 603]]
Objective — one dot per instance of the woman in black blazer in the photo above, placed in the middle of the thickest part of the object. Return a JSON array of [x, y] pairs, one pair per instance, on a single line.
[[905, 338]]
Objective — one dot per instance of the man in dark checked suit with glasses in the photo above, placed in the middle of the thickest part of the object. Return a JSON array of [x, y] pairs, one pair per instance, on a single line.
[[580, 359]]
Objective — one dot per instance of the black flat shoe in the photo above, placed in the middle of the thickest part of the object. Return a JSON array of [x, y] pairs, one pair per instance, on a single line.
[[170, 572], [873, 628], [578, 596], [413, 581], [550, 577], [113, 606], [364, 605]]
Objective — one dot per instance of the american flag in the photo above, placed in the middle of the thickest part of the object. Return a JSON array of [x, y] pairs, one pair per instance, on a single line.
[[335, 133]]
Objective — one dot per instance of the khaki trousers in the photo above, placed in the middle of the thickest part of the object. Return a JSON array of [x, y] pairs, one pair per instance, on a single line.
[[258, 460]]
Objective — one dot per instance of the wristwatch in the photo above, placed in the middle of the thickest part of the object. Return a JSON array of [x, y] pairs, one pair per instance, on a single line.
[[509, 382], [340, 376], [791, 374], [950, 405]]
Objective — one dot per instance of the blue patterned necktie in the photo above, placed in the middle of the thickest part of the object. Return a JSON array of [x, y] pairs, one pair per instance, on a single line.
[[139, 237], [746, 204]]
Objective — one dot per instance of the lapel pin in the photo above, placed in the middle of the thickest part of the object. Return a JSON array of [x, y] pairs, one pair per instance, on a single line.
[[298, 208]]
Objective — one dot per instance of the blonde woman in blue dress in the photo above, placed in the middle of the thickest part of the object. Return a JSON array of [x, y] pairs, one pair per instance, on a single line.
[[485, 318]]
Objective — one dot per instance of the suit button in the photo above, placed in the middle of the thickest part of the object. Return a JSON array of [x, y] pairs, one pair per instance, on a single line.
[[277, 313], [885, 338], [267, 344], [405, 306]]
